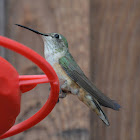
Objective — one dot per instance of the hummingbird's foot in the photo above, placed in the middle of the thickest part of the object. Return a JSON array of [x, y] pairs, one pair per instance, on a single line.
[[62, 95], [58, 100]]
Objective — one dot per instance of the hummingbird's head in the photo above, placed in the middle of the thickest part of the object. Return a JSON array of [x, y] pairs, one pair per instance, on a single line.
[[54, 43]]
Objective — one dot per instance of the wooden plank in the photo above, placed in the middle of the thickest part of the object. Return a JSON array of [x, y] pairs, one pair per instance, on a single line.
[[2, 24], [115, 40], [70, 118]]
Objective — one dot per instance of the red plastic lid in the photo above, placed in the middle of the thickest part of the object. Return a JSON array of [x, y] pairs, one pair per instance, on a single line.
[[27, 83]]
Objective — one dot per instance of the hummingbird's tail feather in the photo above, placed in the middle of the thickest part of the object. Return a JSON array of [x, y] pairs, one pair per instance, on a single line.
[[93, 104], [103, 117], [97, 108]]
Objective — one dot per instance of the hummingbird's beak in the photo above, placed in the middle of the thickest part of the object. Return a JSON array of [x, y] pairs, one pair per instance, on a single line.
[[32, 30]]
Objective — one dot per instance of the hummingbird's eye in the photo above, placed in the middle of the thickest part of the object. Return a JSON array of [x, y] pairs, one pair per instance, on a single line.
[[56, 36]]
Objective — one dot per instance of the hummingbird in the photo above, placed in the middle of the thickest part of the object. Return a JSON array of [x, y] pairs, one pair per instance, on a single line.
[[72, 78]]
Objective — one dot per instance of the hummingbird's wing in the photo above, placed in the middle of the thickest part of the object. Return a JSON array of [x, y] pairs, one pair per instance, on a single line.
[[76, 74]]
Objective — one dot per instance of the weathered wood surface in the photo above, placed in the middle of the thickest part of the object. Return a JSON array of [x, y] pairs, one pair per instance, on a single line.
[[115, 51], [70, 118]]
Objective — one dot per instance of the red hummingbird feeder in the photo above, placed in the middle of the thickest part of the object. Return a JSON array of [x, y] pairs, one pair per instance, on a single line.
[[12, 85]]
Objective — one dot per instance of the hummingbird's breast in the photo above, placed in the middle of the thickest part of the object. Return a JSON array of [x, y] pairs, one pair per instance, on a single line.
[[70, 85], [62, 74], [73, 87]]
